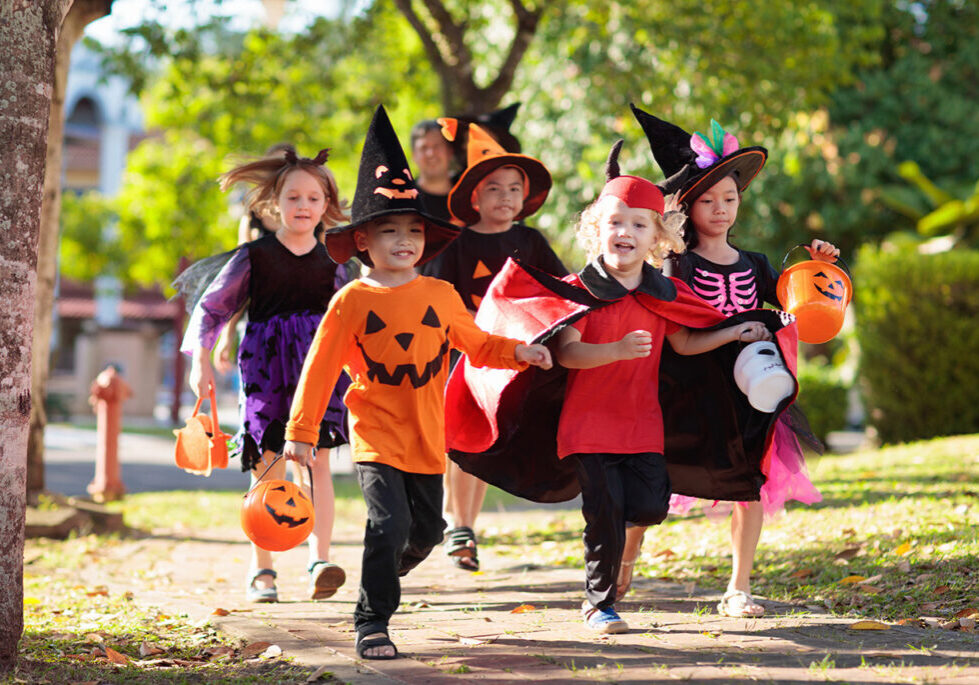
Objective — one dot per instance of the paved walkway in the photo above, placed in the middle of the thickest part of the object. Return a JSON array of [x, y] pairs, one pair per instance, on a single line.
[[458, 625]]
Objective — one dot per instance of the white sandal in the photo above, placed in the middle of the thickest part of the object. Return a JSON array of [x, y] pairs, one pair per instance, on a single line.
[[739, 604]]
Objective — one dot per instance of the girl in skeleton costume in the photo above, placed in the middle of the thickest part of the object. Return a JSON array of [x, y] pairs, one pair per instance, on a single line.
[[284, 280], [707, 177]]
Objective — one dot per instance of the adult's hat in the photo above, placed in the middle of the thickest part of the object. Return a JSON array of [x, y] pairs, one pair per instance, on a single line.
[[485, 156], [385, 187], [692, 164]]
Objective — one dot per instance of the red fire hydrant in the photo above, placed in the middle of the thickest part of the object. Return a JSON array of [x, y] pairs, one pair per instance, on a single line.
[[108, 392]]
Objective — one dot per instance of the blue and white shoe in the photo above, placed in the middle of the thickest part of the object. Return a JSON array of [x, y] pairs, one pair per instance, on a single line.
[[603, 620]]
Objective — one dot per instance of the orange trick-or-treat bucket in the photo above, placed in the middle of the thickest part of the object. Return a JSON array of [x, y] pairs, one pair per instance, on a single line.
[[817, 293], [276, 515]]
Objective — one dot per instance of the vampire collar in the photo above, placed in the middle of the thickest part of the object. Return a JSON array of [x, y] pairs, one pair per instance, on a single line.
[[602, 285]]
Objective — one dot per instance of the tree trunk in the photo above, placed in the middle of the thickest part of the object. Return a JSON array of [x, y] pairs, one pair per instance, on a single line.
[[28, 36], [81, 14]]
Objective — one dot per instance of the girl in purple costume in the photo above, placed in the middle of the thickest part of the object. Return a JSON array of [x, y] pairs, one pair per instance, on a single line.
[[286, 280]]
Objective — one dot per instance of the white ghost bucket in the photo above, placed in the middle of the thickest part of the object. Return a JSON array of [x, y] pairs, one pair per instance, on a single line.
[[761, 375]]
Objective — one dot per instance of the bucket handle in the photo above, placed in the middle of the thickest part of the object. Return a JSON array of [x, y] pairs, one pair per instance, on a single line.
[[278, 457], [217, 432], [838, 259]]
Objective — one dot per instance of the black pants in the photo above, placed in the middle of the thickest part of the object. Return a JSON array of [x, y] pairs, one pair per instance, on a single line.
[[615, 489], [404, 524]]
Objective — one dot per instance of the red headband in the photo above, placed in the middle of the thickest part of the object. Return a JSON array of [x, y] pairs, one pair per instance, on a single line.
[[636, 192]]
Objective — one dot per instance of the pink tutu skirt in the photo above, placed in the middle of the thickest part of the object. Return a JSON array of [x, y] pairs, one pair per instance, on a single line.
[[787, 479]]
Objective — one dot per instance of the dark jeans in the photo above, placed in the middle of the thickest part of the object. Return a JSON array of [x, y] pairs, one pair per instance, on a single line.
[[404, 524], [615, 489]]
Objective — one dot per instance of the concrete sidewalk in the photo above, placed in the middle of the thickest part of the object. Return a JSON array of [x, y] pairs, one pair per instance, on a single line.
[[458, 625]]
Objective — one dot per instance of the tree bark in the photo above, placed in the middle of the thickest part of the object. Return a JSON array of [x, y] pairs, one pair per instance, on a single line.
[[28, 37], [81, 14], [443, 39]]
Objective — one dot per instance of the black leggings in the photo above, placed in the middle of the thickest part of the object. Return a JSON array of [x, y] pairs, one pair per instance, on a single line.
[[615, 489]]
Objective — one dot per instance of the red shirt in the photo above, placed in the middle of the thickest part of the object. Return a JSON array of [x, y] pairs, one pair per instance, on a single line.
[[615, 408]]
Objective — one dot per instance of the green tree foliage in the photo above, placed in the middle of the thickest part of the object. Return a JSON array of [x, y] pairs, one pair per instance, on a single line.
[[751, 66], [88, 247], [836, 172], [916, 325]]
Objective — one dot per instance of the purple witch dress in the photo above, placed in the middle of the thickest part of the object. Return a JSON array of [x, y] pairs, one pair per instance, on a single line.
[[287, 295]]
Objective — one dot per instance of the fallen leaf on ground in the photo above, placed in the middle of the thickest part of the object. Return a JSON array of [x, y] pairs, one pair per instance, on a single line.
[[115, 657], [949, 625], [904, 566], [219, 651], [710, 633], [523, 608], [254, 649], [873, 579], [31, 600], [146, 649], [968, 611], [870, 589], [665, 553], [967, 623], [317, 674], [100, 591], [850, 580], [911, 622], [847, 553], [848, 532], [272, 652], [220, 612], [802, 573], [930, 606], [869, 625], [94, 637], [902, 550], [941, 589], [420, 604]]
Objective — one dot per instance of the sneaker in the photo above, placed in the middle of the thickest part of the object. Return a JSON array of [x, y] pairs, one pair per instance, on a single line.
[[325, 579], [603, 620], [261, 595]]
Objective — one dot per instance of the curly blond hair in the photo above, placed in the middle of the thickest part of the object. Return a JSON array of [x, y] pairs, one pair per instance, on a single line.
[[268, 174], [668, 241]]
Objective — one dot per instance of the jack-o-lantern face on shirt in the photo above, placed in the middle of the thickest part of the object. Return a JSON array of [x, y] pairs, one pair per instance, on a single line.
[[396, 190], [423, 343], [827, 287]]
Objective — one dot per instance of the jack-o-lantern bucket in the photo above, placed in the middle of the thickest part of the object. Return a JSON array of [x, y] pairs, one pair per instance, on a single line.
[[817, 293], [276, 514]]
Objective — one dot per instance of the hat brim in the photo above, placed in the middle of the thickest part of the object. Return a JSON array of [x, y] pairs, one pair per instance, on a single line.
[[341, 246], [747, 162], [538, 178]]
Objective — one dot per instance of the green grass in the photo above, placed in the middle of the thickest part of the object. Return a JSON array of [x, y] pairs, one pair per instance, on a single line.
[[906, 513], [69, 628]]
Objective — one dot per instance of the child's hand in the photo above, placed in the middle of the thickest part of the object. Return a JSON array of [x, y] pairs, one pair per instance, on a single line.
[[201, 377], [635, 345], [822, 251], [299, 452], [751, 332], [535, 355]]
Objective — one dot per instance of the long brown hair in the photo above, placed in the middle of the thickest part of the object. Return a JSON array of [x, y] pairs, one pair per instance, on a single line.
[[268, 174]]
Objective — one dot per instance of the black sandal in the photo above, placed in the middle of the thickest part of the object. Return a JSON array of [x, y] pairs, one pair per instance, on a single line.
[[364, 643], [461, 546]]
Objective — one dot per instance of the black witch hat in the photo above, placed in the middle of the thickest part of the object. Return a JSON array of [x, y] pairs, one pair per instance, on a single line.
[[385, 186], [692, 164]]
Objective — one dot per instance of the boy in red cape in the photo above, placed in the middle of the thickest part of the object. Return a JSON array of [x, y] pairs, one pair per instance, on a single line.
[[621, 424]]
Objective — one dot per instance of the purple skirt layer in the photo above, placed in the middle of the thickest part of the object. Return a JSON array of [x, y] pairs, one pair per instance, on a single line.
[[270, 358]]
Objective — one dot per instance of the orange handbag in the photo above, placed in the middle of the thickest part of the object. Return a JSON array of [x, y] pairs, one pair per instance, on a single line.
[[201, 446]]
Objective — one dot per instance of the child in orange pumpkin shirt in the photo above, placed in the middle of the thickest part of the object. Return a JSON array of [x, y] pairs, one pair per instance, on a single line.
[[392, 330]]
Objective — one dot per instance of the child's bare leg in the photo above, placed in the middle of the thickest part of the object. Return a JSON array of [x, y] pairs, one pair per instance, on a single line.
[[324, 505], [262, 558], [630, 554], [746, 525], [467, 495]]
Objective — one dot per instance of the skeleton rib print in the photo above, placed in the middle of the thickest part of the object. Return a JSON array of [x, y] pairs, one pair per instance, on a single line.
[[730, 294]]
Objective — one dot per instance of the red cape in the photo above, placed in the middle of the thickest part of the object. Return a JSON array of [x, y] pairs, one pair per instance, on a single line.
[[501, 425]]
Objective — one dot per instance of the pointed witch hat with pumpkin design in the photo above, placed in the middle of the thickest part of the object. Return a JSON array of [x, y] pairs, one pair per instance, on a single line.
[[692, 164], [385, 186], [485, 156]]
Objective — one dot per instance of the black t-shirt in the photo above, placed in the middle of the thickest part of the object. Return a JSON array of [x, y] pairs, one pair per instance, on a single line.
[[436, 205], [472, 260], [731, 288], [283, 283]]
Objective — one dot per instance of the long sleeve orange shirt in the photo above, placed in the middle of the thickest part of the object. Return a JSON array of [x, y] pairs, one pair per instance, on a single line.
[[394, 344]]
